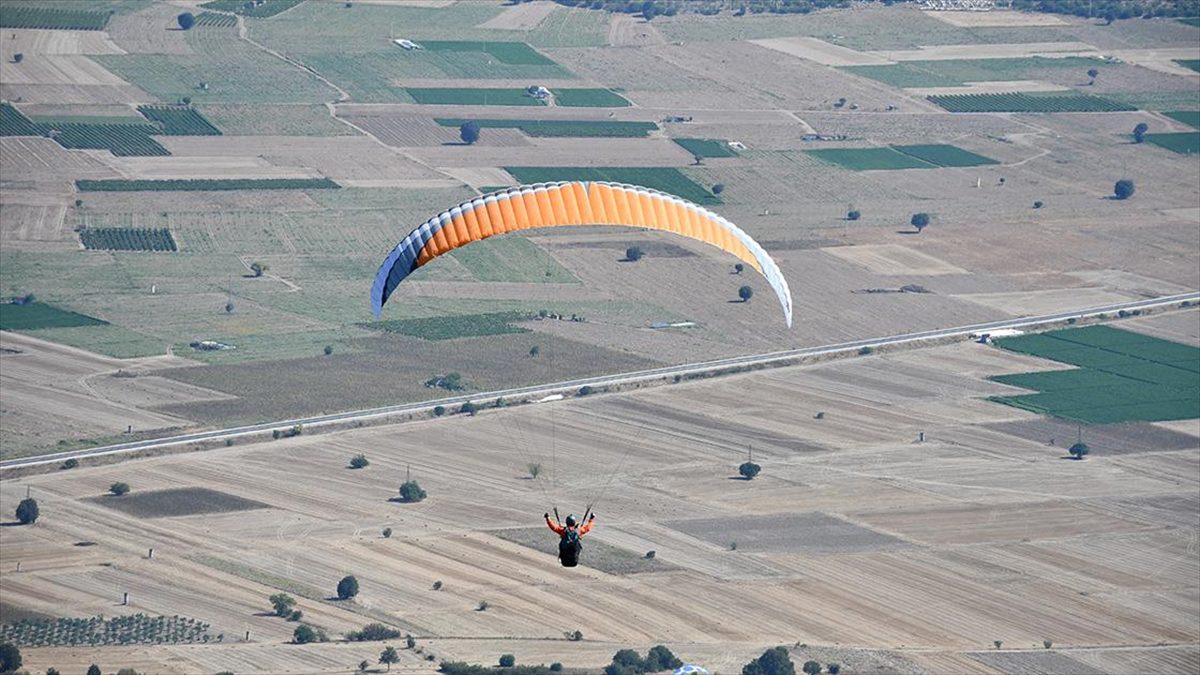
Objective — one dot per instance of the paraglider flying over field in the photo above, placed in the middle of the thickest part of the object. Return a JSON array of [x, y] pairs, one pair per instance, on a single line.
[[570, 203]]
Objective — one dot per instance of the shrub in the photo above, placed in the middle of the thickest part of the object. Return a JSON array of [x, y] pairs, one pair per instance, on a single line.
[[410, 641], [774, 661], [482, 606], [373, 632], [27, 511], [1079, 450], [296, 615], [633, 253], [259, 268], [1123, 189], [745, 293], [439, 410], [119, 489], [660, 658], [70, 463], [556, 667], [508, 661], [94, 670], [650, 554], [1139, 132], [469, 408], [833, 668], [853, 215], [364, 664], [749, 470], [866, 351], [283, 603], [534, 469], [437, 585], [919, 221], [534, 351], [305, 634], [1038, 204], [18, 57], [718, 188], [811, 668], [186, 20], [347, 588], [998, 643], [10, 657], [359, 461], [387, 533], [739, 268], [229, 307], [410, 492], [328, 350], [584, 390], [1047, 644], [575, 635]]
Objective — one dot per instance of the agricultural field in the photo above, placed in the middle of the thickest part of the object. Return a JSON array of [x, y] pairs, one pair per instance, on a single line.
[[665, 179], [1044, 102], [454, 96], [120, 630], [451, 327], [1188, 117], [123, 239], [44, 18], [706, 147], [1194, 64], [215, 20], [870, 159], [588, 98], [258, 10], [958, 72], [561, 128], [512, 53], [1185, 143], [179, 121], [207, 185], [276, 120], [944, 155], [38, 315]]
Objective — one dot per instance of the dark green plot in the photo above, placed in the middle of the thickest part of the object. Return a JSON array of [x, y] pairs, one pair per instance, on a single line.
[[945, 155], [706, 147], [35, 315], [869, 159], [1183, 143]]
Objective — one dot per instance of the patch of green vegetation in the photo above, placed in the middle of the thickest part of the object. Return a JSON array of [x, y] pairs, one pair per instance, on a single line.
[[460, 96], [127, 239], [13, 123], [515, 53], [108, 339], [870, 159], [120, 137], [35, 315], [1191, 21], [16, 16], [1194, 64], [1122, 376], [118, 630], [53, 120], [561, 128], [259, 9], [944, 155], [192, 185], [706, 147], [178, 120], [1188, 117], [1038, 101], [488, 189], [235, 119], [1162, 99], [957, 72], [512, 260], [1184, 143], [215, 20], [589, 98], [663, 179], [458, 326]]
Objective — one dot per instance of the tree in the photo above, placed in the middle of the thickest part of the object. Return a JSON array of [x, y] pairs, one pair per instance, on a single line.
[[811, 668], [410, 492], [283, 603], [854, 214], [739, 268], [469, 408], [10, 657], [1123, 189], [774, 661], [305, 634], [745, 293], [919, 221], [535, 469], [259, 268], [649, 10], [660, 658], [359, 461], [833, 668], [1079, 450], [718, 188], [27, 511], [469, 132], [52, 671], [1139, 132], [998, 643], [508, 661], [18, 57], [1092, 73], [387, 533], [1047, 644], [119, 489], [556, 667], [1038, 204], [389, 656], [633, 253], [347, 588], [186, 100], [328, 350], [439, 410], [296, 615], [186, 20], [70, 463], [229, 308], [749, 470], [373, 632], [364, 664], [482, 606], [94, 670], [410, 641], [437, 585], [534, 351], [584, 391]]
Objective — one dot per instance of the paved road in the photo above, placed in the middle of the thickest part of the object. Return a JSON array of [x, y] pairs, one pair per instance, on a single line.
[[601, 381]]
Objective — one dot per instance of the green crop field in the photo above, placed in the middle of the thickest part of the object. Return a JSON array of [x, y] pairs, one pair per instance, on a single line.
[[944, 155], [1194, 64], [869, 159], [1048, 102], [51, 19], [35, 315], [1184, 143], [178, 120], [1188, 117], [957, 72], [215, 20], [122, 140], [706, 147], [259, 10], [512, 259], [514, 53], [13, 123], [589, 98], [239, 119], [562, 128], [121, 185], [460, 326], [127, 239], [1191, 21], [118, 630], [457, 96], [1121, 376], [664, 179]]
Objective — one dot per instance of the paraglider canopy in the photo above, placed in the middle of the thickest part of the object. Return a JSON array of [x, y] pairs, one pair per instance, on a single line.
[[570, 203]]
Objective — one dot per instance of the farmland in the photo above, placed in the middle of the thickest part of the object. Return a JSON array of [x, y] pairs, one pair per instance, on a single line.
[[513, 53], [1185, 143], [456, 96], [120, 630], [1028, 102], [37, 315], [870, 159], [215, 20], [665, 179], [705, 147], [957, 72], [561, 128], [1188, 117], [1194, 64], [258, 10], [588, 98], [179, 121], [944, 155], [51, 19], [451, 327], [118, 185], [124, 138], [127, 239]]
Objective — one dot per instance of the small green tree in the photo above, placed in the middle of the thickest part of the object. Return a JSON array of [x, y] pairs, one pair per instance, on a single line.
[[259, 268], [919, 221], [119, 489], [347, 588], [633, 253], [437, 585], [469, 132], [1139, 132], [661, 658], [70, 463], [186, 20], [1079, 450], [535, 469], [1092, 74], [410, 492], [998, 643], [508, 661], [584, 391], [749, 470], [94, 670], [482, 606], [328, 350], [745, 293], [10, 657], [774, 661], [811, 668], [556, 667], [27, 511], [1123, 189], [534, 351], [410, 641], [739, 268], [469, 408], [18, 57], [389, 656], [229, 307], [305, 634], [833, 668], [359, 461], [387, 533], [866, 351], [439, 410], [854, 214], [1047, 644], [283, 604], [718, 188], [296, 615]]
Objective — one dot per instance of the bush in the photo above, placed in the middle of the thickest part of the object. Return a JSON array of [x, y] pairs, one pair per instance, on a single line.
[[387, 533], [833, 668], [410, 492], [27, 511], [718, 188], [745, 293], [650, 554], [633, 253], [94, 670], [10, 657], [575, 635], [534, 351], [749, 470], [584, 390], [508, 661], [18, 57], [328, 350], [296, 615], [919, 221], [469, 132], [70, 463], [866, 351], [1139, 132], [186, 20], [469, 408], [853, 215], [555, 667], [774, 661], [305, 634], [660, 658], [482, 606], [119, 489], [410, 641], [347, 588], [1123, 189], [373, 632], [811, 668], [359, 461], [1047, 644], [437, 585], [283, 603], [1079, 450], [259, 268], [439, 410], [739, 268], [229, 307], [1038, 204], [535, 469]]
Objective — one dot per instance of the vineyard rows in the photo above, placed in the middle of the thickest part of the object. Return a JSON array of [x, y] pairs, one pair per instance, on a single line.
[[183, 185], [215, 20], [1049, 102], [122, 140], [119, 630], [127, 239], [52, 19], [256, 9], [178, 120]]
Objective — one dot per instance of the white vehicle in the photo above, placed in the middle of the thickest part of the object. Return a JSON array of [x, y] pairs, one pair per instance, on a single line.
[[407, 44], [998, 333]]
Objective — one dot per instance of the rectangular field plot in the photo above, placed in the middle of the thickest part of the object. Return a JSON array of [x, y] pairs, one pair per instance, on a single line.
[[705, 147], [178, 120], [945, 155], [870, 159], [957, 72], [1194, 64], [125, 138], [458, 96], [589, 98], [177, 502], [562, 128], [35, 315], [1047, 102], [451, 327], [51, 19], [1034, 663], [665, 179], [216, 184], [127, 239], [1188, 117], [259, 10], [813, 532], [1108, 439], [512, 260], [515, 53], [1185, 143], [1123, 376]]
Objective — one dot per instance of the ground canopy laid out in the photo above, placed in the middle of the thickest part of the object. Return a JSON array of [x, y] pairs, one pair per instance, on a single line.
[[570, 203]]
